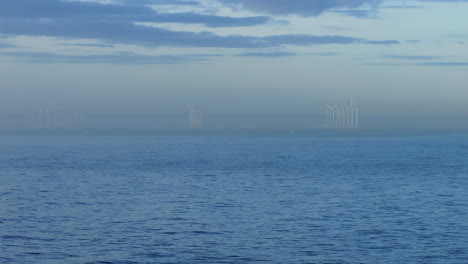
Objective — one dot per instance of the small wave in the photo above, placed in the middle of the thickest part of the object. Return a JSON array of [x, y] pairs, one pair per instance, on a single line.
[[158, 255], [198, 232], [34, 253], [13, 237], [112, 262]]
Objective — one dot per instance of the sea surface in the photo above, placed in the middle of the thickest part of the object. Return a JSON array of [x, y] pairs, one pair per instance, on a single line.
[[233, 198]]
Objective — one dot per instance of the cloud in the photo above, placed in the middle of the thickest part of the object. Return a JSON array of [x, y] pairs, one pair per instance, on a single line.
[[117, 58], [402, 7], [117, 32], [134, 58], [317, 7], [305, 40], [94, 45], [209, 20], [158, 2], [446, 1], [442, 64], [358, 13], [301, 7], [267, 54], [323, 54], [78, 11], [462, 36], [5, 45], [449, 64], [381, 42], [410, 57], [413, 41], [383, 64], [116, 24], [338, 28]]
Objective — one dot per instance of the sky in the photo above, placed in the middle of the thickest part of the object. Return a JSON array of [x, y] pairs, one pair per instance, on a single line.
[[140, 64]]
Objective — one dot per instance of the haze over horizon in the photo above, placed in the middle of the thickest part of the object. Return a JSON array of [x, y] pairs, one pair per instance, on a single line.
[[139, 64]]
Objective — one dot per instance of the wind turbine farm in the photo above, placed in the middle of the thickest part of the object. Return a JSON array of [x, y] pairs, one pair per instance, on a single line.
[[344, 116]]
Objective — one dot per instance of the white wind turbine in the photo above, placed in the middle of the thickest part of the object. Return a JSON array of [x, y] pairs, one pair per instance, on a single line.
[[332, 115]]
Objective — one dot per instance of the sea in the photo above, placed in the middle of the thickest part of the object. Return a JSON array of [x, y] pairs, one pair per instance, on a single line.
[[202, 198]]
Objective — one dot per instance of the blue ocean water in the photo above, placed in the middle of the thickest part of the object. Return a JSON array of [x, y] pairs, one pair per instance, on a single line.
[[233, 199]]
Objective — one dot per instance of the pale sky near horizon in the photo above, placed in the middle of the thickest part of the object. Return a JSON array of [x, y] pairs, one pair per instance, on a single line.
[[245, 63]]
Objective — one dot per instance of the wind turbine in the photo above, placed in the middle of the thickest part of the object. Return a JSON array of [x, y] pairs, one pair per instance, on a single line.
[[333, 114], [357, 117]]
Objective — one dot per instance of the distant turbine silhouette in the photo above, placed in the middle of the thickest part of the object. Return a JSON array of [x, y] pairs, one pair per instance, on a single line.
[[195, 118], [343, 116]]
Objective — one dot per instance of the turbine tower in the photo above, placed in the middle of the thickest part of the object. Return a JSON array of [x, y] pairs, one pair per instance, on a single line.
[[195, 118]]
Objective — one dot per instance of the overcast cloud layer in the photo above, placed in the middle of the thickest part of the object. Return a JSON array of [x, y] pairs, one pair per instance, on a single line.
[[302, 7], [115, 23]]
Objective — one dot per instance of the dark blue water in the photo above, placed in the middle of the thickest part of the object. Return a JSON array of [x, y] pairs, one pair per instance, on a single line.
[[233, 199]]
